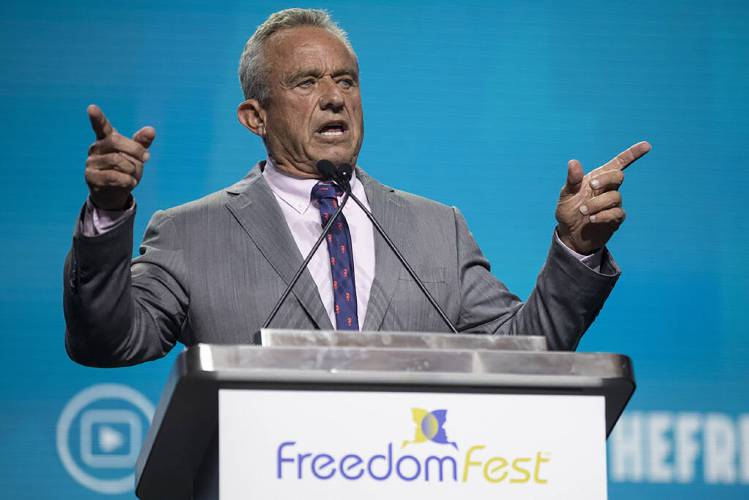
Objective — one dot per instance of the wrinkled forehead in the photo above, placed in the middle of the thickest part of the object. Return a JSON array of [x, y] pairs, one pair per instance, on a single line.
[[291, 49]]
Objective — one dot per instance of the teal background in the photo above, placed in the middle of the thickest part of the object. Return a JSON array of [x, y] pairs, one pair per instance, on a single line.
[[475, 104]]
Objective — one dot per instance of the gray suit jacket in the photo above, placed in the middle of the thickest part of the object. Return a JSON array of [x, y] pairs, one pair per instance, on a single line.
[[211, 270]]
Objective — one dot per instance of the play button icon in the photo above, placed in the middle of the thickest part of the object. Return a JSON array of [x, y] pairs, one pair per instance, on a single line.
[[110, 439], [99, 434]]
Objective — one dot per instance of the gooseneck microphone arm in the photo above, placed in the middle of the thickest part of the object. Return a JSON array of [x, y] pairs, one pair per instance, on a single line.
[[341, 177], [307, 259]]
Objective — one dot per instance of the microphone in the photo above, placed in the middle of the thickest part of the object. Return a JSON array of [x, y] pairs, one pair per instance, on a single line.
[[326, 169], [323, 167], [344, 173], [342, 177]]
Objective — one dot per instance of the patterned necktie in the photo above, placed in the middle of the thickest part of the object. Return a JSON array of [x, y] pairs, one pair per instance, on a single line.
[[341, 259]]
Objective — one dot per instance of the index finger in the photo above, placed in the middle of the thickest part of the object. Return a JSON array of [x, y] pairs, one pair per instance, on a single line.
[[99, 122], [628, 156]]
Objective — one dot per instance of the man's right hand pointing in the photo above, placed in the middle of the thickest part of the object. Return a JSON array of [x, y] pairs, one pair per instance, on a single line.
[[115, 163]]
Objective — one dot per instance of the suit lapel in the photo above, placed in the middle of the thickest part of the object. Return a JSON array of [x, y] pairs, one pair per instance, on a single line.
[[256, 209], [385, 207]]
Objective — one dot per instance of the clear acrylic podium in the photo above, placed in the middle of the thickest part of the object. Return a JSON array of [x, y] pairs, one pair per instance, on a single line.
[[180, 455]]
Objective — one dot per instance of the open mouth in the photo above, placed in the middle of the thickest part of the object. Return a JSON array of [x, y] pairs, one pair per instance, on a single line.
[[333, 129]]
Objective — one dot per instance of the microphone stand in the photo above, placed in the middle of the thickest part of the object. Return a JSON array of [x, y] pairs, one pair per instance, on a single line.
[[301, 269], [341, 176], [342, 179]]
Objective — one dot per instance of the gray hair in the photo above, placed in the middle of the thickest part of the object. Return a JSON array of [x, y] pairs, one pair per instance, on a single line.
[[253, 75]]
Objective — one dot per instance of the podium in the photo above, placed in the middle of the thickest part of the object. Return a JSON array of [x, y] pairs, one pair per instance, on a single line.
[[314, 414]]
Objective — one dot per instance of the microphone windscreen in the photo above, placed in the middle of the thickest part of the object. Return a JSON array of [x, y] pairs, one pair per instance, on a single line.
[[345, 171], [326, 169]]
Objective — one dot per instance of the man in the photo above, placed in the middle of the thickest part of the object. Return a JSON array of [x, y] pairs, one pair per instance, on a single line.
[[211, 270]]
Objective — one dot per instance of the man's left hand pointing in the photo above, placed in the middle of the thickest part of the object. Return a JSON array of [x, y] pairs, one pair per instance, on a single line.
[[590, 210]]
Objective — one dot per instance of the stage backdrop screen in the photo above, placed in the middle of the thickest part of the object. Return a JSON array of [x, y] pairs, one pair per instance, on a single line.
[[477, 104]]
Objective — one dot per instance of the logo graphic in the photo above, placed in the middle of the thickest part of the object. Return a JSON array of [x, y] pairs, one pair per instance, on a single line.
[[99, 435], [430, 426], [479, 463]]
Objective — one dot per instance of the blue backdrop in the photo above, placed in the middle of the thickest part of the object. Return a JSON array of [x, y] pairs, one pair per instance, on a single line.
[[503, 93]]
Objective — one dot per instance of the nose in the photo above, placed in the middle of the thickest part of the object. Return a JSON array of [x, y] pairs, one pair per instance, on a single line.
[[331, 96]]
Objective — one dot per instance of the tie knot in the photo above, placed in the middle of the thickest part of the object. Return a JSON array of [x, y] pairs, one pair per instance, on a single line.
[[325, 190]]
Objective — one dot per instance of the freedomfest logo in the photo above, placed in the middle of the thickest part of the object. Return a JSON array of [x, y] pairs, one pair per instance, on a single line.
[[476, 464]]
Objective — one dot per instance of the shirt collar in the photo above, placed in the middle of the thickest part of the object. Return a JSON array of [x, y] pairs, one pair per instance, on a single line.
[[294, 191]]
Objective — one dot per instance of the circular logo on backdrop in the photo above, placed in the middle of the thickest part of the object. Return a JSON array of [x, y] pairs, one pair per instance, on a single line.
[[99, 435]]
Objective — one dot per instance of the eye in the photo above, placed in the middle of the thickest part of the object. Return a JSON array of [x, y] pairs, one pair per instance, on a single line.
[[306, 83], [346, 83]]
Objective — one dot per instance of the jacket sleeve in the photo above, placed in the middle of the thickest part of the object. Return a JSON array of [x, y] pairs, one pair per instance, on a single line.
[[566, 299], [120, 312]]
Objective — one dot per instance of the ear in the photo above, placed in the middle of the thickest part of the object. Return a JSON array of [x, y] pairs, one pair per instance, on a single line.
[[252, 115]]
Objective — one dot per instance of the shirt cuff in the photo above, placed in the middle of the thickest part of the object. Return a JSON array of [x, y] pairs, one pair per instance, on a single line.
[[593, 261], [97, 221]]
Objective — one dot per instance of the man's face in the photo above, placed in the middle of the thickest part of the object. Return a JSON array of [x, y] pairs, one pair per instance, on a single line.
[[314, 111]]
